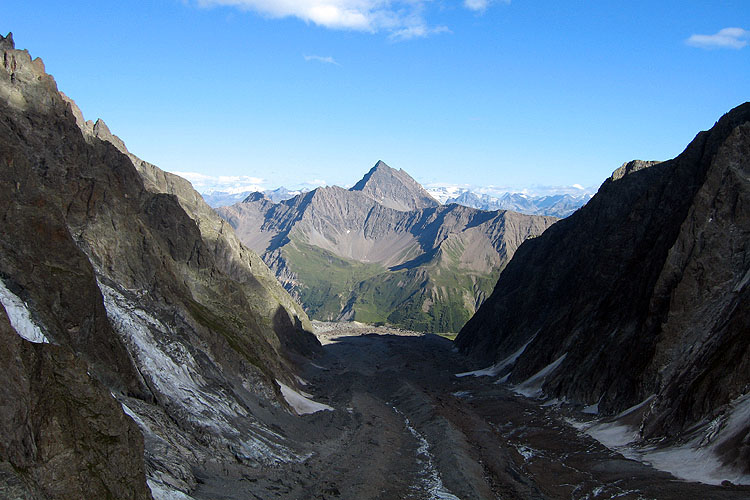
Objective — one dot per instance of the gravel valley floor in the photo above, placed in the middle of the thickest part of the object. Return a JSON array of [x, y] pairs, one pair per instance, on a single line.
[[404, 427]]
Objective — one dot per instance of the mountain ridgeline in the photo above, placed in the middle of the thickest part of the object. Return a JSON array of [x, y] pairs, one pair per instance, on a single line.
[[556, 205], [383, 251], [141, 301], [641, 297]]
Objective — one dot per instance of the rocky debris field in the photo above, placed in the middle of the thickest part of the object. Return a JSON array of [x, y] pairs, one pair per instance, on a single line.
[[405, 427]]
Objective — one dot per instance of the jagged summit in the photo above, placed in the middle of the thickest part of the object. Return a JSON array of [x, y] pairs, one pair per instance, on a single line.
[[394, 189], [630, 167], [256, 196], [6, 42]]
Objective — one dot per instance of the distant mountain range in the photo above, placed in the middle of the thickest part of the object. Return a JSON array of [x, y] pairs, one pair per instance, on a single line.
[[384, 250], [558, 205], [218, 199]]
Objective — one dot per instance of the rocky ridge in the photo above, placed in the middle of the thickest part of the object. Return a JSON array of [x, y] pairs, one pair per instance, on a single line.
[[134, 279], [639, 302], [348, 256]]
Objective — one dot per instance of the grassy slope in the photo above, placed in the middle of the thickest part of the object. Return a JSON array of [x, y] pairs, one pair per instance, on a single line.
[[436, 297], [328, 279]]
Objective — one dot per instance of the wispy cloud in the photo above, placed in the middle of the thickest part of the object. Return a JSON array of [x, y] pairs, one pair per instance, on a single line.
[[400, 19], [322, 59], [418, 31], [728, 38], [481, 5], [223, 183], [315, 183]]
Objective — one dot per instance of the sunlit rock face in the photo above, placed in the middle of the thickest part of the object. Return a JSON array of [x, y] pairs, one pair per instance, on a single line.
[[141, 285], [644, 292]]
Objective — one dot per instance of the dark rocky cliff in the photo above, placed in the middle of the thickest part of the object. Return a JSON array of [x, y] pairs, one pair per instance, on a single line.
[[125, 266], [641, 294], [63, 435]]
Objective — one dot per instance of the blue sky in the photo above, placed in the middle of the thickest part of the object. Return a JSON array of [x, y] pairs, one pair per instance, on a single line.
[[285, 92]]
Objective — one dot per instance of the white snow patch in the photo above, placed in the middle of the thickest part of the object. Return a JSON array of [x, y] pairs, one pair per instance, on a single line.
[[130, 413], [497, 367], [591, 409], [161, 492], [552, 402], [635, 407], [695, 460], [175, 374], [263, 450], [743, 282], [532, 387], [462, 394], [612, 435], [432, 480], [503, 379], [168, 363], [692, 464], [301, 402], [526, 452], [490, 371], [20, 317]]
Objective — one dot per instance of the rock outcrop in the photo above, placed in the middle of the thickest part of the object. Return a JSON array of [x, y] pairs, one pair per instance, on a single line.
[[63, 435], [348, 256], [125, 266], [641, 296]]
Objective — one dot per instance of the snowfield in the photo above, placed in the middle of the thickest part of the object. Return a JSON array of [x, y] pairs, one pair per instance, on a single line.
[[20, 317], [532, 386], [301, 402], [495, 369], [696, 460]]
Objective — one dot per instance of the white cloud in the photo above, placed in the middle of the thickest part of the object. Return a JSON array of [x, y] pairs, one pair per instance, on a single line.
[[223, 183], [315, 183], [403, 19], [728, 38], [322, 59]]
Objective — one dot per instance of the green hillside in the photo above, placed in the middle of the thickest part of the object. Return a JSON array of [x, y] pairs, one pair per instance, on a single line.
[[438, 296]]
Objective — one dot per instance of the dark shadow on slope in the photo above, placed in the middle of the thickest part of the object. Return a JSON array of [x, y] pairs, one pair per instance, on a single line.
[[296, 342]]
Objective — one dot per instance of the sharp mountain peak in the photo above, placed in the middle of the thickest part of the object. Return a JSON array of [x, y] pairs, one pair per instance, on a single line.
[[394, 188]]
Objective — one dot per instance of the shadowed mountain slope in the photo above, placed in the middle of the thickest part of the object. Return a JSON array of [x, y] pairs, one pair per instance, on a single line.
[[641, 296]]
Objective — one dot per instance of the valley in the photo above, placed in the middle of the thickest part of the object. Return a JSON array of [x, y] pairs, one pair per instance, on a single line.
[[383, 251], [404, 426], [155, 349]]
